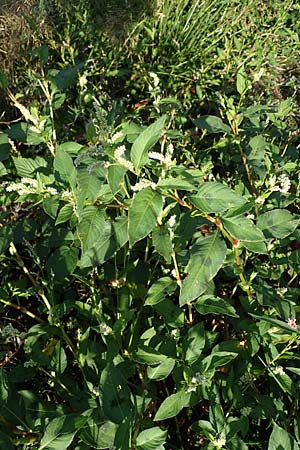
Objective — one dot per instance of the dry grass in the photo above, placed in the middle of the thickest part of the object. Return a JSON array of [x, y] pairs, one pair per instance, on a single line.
[[19, 31]]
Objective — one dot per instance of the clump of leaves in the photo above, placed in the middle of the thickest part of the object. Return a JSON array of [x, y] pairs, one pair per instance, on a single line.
[[150, 292]]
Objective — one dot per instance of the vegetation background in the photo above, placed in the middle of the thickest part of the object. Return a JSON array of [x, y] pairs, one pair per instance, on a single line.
[[149, 234]]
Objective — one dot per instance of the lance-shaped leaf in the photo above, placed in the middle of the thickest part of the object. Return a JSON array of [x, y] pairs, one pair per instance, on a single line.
[[278, 223], [172, 405], [212, 124], [280, 439], [162, 370], [207, 257], [146, 140], [142, 215], [151, 439], [60, 432], [213, 197], [208, 304], [243, 229], [64, 167]]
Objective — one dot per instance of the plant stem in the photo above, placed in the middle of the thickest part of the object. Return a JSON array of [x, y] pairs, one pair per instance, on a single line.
[[22, 309], [21, 263]]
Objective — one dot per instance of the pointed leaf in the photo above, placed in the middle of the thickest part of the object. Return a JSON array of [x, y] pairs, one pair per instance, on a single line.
[[158, 291], [151, 439], [214, 305], [277, 223], [172, 405], [243, 229], [143, 212], [206, 259], [161, 371], [146, 140], [194, 342], [64, 167], [162, 242], [60, 432], [215, 197], [212, 124], [280, 439]]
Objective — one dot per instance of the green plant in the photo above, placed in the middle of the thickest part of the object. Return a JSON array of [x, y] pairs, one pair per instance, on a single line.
[[149, 291]]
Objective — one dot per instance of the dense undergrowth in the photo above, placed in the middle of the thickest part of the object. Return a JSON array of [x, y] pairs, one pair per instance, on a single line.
[[149, 236]]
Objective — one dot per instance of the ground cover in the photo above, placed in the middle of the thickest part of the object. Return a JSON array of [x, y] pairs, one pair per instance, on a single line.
[[149, 162]]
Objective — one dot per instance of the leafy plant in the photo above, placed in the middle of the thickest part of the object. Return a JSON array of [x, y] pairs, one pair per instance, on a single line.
[[165, 294]]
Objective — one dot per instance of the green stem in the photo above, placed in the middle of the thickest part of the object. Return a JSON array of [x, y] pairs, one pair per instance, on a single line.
[[21, 264], [22, 309]]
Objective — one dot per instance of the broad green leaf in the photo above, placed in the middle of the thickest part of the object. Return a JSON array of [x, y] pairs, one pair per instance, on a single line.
[[115, 394], [62, 262], [242, 229], [4, 146], [146, 140], [162, 370], [214, 305], [280, 439], [277, 223], [172, 405], [142, 215], [151, 439], [193, 343], [159, 290], [212, 124], [64, 78], [72, 148], [162, 242], [255, 247], [65, 214], [204, 427], [97, 433], [207, 257], [60, 432], [88, 186], [120, 229], [3, 170], [100, 238], [172, 314], [123, 435], [178, 183], [51, 205], [284, 382], [148, 355], [28, 167], [213, 197], [115, 177], [25, 133], [64, 167], [90, 227], [217, 359], [242, 82]]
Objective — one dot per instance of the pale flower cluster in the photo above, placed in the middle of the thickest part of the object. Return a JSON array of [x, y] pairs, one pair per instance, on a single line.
[[245, 411], [281, 184], [166, 159], [143, 184], [219, 442], [115, 137], [278, 370], [105, 329], [119, 153], [196, 381], [30, 186]]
